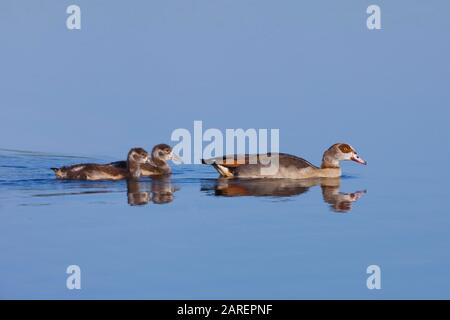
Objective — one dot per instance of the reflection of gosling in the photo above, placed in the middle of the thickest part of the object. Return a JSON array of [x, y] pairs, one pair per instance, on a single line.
[[136, 196], [138, 199], [162, 191], [161, 153], [289, 166], [91, 171]]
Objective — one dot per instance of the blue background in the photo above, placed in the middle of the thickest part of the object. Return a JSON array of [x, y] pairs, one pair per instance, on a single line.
[[138, 70]]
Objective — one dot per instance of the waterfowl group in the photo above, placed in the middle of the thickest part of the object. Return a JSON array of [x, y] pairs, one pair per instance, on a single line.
[[285, 165], [294, 175], [140, 163]]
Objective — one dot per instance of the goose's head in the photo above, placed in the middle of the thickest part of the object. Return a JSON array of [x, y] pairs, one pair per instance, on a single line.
[[340, 152]]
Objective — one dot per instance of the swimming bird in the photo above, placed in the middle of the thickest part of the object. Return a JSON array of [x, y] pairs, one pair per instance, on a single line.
[[282, 165], [157, 165], [92, 171]]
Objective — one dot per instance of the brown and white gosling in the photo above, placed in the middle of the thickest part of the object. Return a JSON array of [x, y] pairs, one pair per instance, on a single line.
[[157, 165], [288, 166], [92, 171]]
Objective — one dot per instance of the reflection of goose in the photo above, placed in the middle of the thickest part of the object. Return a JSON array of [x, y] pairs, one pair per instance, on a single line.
[[340, 202], [288, 166], [157, 190], [258, 187], [161, 153]]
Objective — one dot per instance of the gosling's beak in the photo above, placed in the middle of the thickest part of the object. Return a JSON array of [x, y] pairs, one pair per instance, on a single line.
[[358, 159], [176, 159]]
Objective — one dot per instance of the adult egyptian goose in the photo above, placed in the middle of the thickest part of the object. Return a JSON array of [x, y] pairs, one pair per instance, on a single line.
[[92, 171], [157, 165], [282, 165]]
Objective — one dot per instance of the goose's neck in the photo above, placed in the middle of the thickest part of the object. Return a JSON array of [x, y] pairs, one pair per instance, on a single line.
[[329, 161], [330, 167]]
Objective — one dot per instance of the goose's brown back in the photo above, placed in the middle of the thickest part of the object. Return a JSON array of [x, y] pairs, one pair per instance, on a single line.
[[252, 165]]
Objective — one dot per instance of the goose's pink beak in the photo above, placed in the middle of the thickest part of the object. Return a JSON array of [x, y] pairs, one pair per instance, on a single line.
[[358, 159]]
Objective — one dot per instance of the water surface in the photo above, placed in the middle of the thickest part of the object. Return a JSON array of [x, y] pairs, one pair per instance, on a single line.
[[195, 236]]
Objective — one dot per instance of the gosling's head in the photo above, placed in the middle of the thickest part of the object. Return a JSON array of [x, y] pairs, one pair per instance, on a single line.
[[164, 152], [138, 155]]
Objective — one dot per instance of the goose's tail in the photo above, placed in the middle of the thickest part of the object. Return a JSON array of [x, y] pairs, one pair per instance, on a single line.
[[223, 170]]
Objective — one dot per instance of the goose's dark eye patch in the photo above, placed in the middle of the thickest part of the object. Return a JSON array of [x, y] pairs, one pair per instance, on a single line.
[[345, 148]]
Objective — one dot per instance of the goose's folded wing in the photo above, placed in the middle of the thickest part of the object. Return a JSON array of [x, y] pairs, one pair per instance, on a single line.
[[233, 161]]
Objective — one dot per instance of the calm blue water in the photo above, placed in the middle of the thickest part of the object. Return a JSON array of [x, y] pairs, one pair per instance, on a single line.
[[193, 236]]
